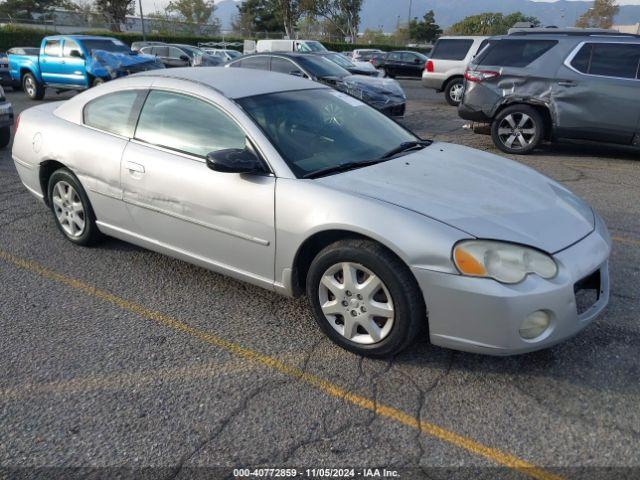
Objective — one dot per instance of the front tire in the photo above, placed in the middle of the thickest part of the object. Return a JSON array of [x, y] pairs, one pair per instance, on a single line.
[[517, 129], [364, 298], [5, 136], [71, 209], [97, 81], [32, 88], [454, 91]]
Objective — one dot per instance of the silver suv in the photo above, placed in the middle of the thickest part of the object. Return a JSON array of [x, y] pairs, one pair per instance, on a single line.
[[447, 63], [575, 84]]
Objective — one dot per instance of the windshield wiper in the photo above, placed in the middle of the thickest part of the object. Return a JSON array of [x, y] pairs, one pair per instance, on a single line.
[[405, 147], [343, 167]]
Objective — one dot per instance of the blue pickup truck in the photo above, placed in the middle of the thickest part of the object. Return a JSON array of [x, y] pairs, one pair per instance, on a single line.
[[76, 62]]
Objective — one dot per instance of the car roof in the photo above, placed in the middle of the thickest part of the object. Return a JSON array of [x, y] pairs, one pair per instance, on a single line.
[[463, 37], [83, 37], [571, 36], [236, 82]]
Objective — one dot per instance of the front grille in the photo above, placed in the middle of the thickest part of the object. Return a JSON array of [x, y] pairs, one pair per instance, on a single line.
[[587, 292]]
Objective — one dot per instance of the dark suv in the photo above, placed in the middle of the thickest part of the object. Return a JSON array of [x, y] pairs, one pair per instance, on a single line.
[[535, 85]]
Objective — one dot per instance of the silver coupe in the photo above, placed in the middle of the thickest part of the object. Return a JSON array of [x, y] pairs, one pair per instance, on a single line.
[[296, 187]]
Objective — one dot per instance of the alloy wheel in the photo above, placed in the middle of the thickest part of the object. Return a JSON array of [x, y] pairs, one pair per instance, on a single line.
[[68, 208], [517, 131], [30, 86], [356, 303], [456, 92]]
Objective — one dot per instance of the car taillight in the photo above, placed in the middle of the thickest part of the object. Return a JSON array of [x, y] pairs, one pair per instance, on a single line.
[[429, 66], [480, 75]]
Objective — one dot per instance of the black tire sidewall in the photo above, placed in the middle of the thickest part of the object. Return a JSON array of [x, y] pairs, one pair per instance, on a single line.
[[91, 233], [402, 331], [449, 87], [39, 93], [526, 109], [5, 136]]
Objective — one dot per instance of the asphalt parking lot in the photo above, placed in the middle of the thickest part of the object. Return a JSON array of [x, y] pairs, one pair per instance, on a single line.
[[117, 357]]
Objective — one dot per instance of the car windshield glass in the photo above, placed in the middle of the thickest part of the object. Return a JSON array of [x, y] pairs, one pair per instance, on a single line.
[[191, 51], [340, 60], [321, 67], [320, 129], [233, 53], [312, 46], [106, 45]]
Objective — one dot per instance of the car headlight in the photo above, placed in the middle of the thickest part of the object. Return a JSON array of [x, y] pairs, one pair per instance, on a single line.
[[504, 262]]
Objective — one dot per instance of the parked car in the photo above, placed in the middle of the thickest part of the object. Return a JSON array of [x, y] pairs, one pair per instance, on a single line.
[[5, 76], [536, 86], [179, 55], [384, 94], [223, 53], [137, 46], [6, 120], [364, 54], [400, 64], [363, 68], [303, 46], [295, 187], [75, 62], [444, 71]]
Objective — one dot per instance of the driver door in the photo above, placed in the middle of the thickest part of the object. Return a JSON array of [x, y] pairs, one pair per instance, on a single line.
[[224, 221]]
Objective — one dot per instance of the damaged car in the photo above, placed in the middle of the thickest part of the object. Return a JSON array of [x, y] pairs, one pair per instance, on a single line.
[[75, 62], [535, 85], [384, 94]]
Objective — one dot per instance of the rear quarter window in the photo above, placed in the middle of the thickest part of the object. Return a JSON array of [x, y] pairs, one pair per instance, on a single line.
[[454, 49], [514, 53], [114, 112]]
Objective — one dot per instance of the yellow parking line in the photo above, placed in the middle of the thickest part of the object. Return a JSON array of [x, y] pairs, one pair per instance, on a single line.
[[630, 241], [332, 389]]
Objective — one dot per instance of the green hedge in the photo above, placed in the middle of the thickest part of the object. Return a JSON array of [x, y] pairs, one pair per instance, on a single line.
[[27, 37]]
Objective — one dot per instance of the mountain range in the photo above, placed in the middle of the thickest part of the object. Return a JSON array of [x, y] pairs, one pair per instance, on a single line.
[[386, 14]]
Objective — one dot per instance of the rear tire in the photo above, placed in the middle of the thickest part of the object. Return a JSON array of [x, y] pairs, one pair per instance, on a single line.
[[454, 91], [5, 136], [71, 209], [517, 129], [32, 88], [382, 284]]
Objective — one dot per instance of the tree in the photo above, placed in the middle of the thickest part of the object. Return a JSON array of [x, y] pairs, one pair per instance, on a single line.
[[115, 11], [195, 11], [426, 30], [344, 15], [600, 15], [490, 24], [290, 12], [257, 16], [26, 8]]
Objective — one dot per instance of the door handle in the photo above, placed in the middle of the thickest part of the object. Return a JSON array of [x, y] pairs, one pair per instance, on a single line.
[[134, 167], [567, 83]]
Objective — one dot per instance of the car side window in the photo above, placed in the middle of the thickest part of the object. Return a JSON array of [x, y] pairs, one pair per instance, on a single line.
[[186, 124], [282, 65], [395, 57], [453, 49], [176, 53], [515, 53], [409, 57], [161, 51], [69, 46], [114, 112], [256, 63], [618, 60], [52, 48]]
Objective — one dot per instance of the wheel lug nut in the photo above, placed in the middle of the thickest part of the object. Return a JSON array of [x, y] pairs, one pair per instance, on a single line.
[[345, 303], [359, 297], [348, 293], [353, 313], [363, 309]]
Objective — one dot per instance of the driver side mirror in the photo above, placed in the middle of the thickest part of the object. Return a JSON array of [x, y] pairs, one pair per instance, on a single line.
[[76, 54], [235, 160]]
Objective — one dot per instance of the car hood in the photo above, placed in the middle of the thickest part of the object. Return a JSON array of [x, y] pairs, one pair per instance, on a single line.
[[484, 195], [120, 60]]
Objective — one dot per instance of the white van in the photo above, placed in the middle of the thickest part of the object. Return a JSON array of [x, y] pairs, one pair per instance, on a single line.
[[303, 46]]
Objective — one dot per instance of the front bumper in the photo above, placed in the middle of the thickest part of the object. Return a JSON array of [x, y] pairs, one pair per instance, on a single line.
[[6, 114], [394, 110], [483, 316]]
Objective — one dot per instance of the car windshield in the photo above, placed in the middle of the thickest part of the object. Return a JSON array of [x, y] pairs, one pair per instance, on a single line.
[[233, 53], [321, 67], [191, 51], [106, 44], [340, 60], [311, 46], [320, 129]]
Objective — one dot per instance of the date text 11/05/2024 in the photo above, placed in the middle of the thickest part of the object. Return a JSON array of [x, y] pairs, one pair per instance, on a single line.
[[343, 473]]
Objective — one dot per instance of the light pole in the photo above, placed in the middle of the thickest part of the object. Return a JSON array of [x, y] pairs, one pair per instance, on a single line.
[[409, 17], [144, 33]]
